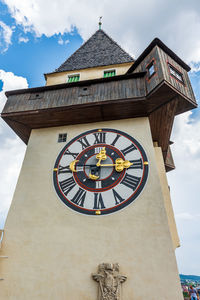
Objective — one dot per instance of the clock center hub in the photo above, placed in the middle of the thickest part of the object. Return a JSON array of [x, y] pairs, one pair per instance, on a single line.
[[104, 172]]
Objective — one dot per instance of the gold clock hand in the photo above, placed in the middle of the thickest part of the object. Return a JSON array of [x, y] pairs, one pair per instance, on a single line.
[[119, 165], [101, 156], [93, 177]]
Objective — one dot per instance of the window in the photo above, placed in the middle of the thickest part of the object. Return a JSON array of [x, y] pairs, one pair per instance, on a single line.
[[73, 78], [175, 73], [62, 137], [109, 73], [151, 69]]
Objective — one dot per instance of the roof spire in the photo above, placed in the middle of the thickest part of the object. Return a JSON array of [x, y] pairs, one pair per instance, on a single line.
[[100, 23]]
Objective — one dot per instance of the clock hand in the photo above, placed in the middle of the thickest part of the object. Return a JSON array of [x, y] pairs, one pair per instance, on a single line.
[[119, 165], [73, 165], [101, 156], [94, 174]]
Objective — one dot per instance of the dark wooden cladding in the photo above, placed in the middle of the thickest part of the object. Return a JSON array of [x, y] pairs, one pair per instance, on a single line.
[[161, 62], [163, 119], [72, 104], [109, 91], [157, 78], [169, 162], [185, 87]]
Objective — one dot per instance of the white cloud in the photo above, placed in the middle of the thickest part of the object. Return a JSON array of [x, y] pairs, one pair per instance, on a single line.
[[185, 189], [187, 216], [127, 22], [10, 82], [11, 157], [23, 39], [195, 66], [11, 147], [62, 42], [5, 36]]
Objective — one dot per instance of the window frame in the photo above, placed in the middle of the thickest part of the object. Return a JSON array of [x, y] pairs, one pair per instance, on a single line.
[[73, 75], [171, 67], [62, 137], [148, 66]]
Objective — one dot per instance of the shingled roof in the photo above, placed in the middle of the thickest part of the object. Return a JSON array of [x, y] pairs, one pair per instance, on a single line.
[[98, 50]]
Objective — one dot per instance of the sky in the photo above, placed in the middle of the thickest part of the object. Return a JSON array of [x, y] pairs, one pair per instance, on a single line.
[[36, 36]]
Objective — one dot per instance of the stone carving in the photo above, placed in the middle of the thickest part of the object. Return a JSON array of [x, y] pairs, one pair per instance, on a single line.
[[109, 281]]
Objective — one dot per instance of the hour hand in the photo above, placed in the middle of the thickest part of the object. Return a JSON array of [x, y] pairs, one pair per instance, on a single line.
[[101, 156]]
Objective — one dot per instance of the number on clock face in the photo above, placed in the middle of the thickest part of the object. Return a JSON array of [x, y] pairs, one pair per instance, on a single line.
[[100, 171]]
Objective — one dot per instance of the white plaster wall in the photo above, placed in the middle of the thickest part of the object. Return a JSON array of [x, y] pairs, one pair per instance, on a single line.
[[86, 74], [167, 198], [52, 250]]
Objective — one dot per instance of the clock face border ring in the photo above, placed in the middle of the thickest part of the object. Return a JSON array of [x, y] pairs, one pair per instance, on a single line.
[[116, 207]]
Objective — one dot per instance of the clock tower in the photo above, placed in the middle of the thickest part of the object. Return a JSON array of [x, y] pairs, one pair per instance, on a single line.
[[91, 216]]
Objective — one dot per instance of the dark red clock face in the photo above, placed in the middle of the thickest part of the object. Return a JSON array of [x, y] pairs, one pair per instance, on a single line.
[[100, 171]]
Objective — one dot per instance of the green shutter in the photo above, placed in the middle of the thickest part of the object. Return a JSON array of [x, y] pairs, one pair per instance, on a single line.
[[109, 73], [74, 78]]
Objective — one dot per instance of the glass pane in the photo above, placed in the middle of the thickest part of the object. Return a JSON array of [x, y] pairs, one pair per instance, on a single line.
[[151, 70]]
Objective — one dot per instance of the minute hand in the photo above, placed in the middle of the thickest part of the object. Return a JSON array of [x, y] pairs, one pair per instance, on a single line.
[[119, 165]]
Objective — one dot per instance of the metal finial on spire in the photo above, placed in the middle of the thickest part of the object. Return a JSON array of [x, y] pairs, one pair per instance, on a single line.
[[100, 23]]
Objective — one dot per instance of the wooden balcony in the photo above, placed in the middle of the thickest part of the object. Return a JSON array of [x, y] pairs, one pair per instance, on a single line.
[[136, 94]]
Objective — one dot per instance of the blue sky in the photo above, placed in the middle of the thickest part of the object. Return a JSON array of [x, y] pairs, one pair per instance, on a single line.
[[38, 55], [36, 36]]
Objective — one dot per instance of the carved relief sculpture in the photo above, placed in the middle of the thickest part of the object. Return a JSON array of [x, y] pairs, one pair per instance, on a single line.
[[109, 281]]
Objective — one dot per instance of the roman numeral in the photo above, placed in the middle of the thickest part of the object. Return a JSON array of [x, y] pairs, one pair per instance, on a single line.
[[100, 138], [137, 164], [84, 142], [67, 152], [79, 198], [67, 185], [98, 184], [97, 149], [98, 201], [115, 140], [118, 198], [128, 149], [131, 181]]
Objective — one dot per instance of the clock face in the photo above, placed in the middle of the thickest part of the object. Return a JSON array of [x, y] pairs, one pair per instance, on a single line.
[[100, 171]]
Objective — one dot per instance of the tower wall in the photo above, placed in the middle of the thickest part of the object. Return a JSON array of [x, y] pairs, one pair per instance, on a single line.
[[52, 251]]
